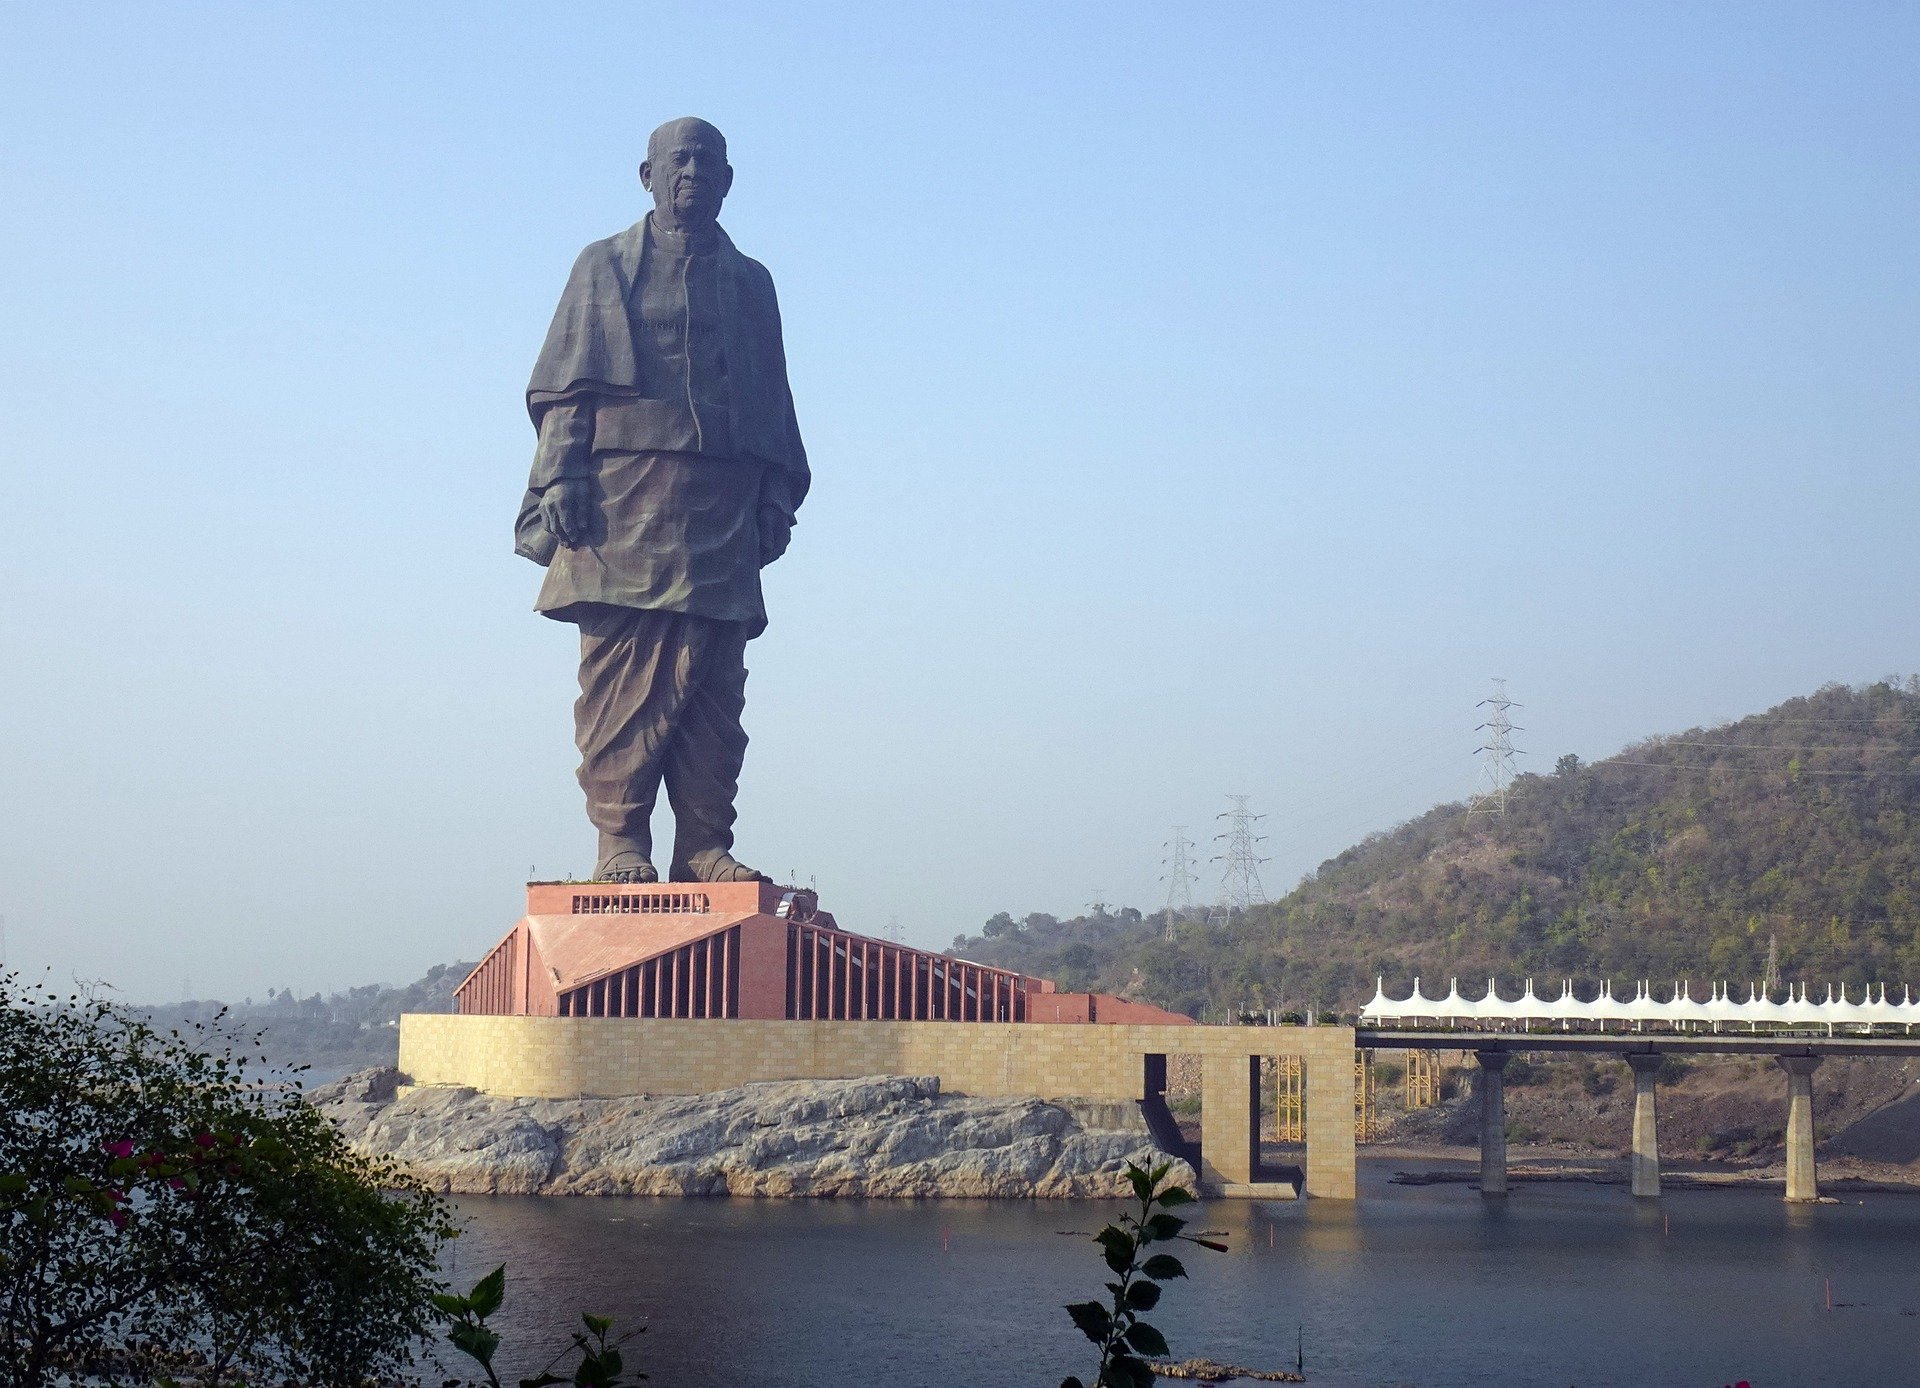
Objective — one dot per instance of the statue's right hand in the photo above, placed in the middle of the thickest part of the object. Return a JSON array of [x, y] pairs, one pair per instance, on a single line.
[[566, 507]]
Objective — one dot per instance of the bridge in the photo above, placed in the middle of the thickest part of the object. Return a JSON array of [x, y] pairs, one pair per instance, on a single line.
[[1798, 1033]]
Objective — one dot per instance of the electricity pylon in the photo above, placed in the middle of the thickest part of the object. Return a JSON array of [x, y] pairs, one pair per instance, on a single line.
[[1178, 877], [1240, 871], [1496, 753]]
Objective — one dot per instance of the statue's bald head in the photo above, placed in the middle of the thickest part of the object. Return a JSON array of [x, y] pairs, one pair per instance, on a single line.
[[687, 173]]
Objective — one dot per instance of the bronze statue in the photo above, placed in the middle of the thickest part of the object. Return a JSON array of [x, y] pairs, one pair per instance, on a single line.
[[668, 471]]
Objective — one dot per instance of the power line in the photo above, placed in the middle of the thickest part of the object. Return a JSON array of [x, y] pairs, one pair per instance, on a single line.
[[1178, 877], [1240, 877], [1497, 752]]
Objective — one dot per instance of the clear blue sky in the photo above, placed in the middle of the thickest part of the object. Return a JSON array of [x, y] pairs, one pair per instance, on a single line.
[[1200, 402]]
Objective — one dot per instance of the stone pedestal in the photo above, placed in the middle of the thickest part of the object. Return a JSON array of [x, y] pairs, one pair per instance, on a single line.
[[1803, 1183], [1645, 1160], [1493, 1120]]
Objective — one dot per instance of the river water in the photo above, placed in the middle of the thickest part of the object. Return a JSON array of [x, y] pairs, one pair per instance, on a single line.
[[1430, 1286]]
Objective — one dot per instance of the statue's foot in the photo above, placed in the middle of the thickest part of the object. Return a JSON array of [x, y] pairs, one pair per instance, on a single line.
[[716, 865], [626, 866], [625, 859]]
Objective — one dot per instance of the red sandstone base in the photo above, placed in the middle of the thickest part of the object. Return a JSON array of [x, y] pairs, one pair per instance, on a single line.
[[744, 949]]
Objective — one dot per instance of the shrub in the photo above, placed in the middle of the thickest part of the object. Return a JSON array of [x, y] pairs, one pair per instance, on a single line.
[[151, 1199], [1521, 1072], [1671, 1070]]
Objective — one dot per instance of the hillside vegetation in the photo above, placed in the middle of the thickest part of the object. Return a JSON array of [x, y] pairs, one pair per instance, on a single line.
[[1681, 857], [345, 1031]]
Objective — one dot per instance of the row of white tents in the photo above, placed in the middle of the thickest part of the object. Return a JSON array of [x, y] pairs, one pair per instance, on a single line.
[[1679, 1012]]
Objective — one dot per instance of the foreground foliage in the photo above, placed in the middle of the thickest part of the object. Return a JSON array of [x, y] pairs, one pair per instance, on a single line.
[[161, 1217], [1117, 1327], [598, 1362]]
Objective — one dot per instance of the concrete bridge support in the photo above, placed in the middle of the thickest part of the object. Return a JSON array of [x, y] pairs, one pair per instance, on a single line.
[[1645, 1161], [1493, 1120], [1803, 1183]]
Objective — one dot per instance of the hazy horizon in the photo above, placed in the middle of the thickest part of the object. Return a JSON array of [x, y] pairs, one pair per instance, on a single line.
[[1198, 405]]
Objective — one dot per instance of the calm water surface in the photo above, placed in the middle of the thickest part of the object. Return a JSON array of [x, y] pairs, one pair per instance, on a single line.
[[1428, 1286]]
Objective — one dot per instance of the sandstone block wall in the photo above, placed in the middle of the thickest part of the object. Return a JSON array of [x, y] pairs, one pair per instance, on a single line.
[[606, 1057]]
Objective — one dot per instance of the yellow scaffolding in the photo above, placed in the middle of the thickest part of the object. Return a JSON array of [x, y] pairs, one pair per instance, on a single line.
[[1423, 1079], [1289, 1099]]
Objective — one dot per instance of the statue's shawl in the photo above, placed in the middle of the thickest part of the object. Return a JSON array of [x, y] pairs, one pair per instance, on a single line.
[[590, 346], [590, 352]]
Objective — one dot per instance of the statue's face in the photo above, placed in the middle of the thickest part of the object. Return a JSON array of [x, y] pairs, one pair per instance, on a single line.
[[687, 172]]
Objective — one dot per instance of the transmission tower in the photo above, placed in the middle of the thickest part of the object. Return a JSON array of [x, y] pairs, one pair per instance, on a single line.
[[1496, 753], [1240, 872], [1178, 877], [892, 932], [1772, 978]]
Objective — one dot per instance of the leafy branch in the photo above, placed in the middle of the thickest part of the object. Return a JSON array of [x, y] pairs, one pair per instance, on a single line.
[[600, 1365], [1124, 1338]]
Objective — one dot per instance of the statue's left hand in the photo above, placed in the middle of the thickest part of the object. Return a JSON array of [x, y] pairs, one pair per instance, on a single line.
[[776, 530], [566, 507]]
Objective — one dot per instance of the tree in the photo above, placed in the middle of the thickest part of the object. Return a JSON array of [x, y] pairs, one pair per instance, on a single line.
[[1001, 924], [153, 1199]]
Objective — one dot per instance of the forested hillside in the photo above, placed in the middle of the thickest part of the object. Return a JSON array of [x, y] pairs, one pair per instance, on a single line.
[[1681, 857], [333, 1034]]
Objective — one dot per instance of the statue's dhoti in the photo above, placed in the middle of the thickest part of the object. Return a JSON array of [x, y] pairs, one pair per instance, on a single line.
[[661, 694]]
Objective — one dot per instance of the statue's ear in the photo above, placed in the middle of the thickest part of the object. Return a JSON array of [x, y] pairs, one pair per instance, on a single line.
[[646, 174]]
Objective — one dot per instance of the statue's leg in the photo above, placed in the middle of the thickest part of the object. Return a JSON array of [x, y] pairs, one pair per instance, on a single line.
[[703, 760], [629, 701]]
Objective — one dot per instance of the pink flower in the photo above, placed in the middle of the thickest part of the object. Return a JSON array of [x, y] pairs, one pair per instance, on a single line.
[[119, 1218], [121, 1149], [203, 1139], [177, 1183]]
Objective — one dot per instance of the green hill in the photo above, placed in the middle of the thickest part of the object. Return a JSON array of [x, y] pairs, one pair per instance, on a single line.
[[1681, 857]]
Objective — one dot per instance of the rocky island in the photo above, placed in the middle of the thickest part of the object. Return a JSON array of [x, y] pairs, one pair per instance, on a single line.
[[889, 1137]]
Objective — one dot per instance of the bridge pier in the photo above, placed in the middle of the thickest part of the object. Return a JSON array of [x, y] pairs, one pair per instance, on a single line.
[[1493, 1120], [1803, 1183], [1645, 1159]]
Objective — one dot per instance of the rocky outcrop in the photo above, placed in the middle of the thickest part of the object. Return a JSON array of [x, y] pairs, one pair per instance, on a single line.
[[886, 1137]]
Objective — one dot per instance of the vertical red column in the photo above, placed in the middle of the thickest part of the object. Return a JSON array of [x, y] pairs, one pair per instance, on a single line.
[[822, 976], [793, 971], [836, 982]]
